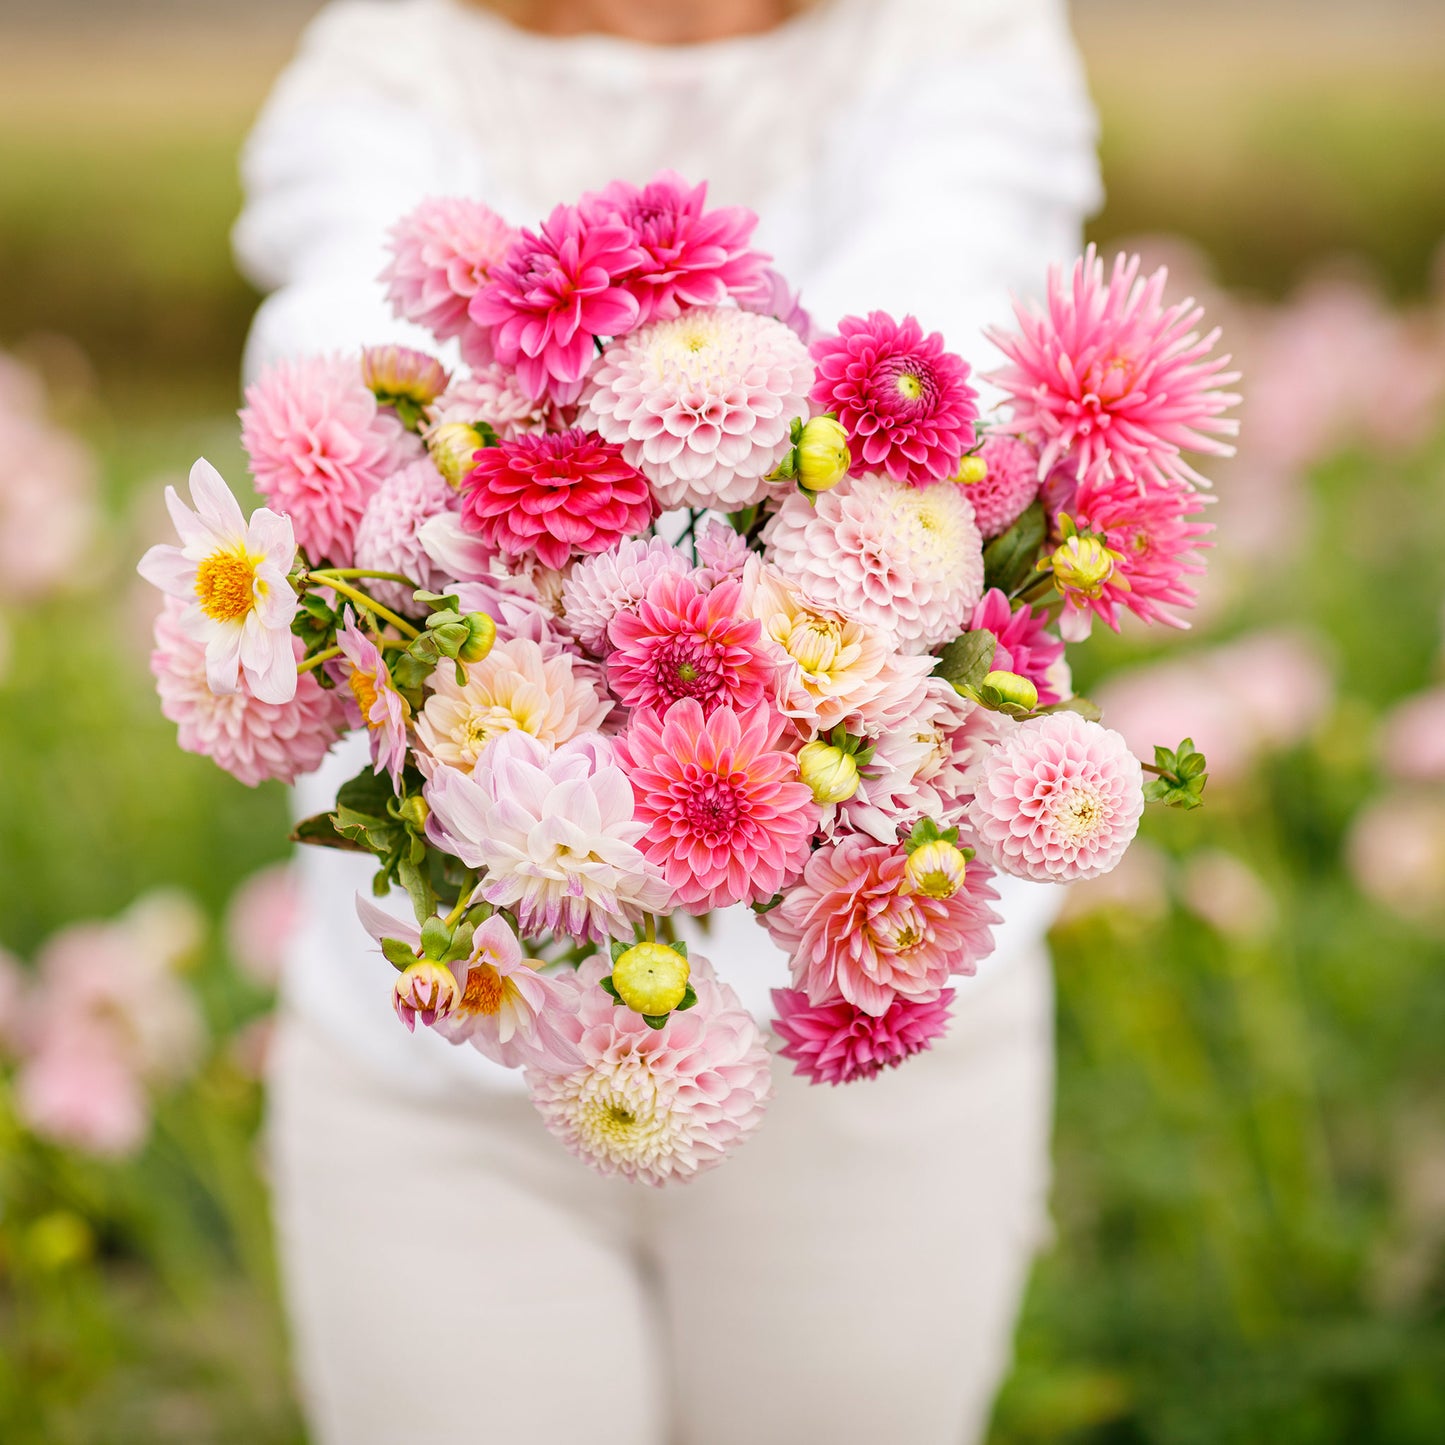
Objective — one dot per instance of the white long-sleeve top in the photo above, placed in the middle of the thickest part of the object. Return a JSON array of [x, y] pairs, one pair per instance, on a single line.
[[923, 156]]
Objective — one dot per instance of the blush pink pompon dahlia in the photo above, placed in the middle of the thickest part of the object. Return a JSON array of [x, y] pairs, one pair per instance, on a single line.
[[387, 537], [1012, 482], [836, 1042], [600, 587]]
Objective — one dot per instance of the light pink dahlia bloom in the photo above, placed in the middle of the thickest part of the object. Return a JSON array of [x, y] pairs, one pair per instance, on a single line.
[[904, 401], [721, 551], [683, 640], [491, 394], [772, 296], [836, 1042], [442, 254], [555, 833], [855, 930], [1025, 645], [907, 560], [319, 445], [1058, 799], [387, 537], [600, 587], [374, 702], [252, 740], [728, 817], [1012, 482], [1110, 378], [655, 1105], [702, 405]]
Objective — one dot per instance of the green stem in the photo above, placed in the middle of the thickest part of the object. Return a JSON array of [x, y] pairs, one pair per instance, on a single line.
[[370, 604], [464, 898], [1039, 590], [318, 659], [362, 572]]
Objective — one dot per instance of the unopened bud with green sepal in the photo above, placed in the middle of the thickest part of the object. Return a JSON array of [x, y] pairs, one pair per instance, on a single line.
[[1179, 776], [651, 979]]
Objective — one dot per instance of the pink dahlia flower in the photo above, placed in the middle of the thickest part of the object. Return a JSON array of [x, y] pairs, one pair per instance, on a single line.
[[252, 740], [554, 293], [904, 401], [1002, 497], [387, 537], [684, 641], [442, 254], [80, 1090], [906, 560], [1058, 799], [654, 1105], [375, 702], [555, 497], [1025, 645], [728, 817], [491, 394], [721, 551], [702, 405], [319, 445], [772, 296], [836, 1042], [1112, 379], [855, 929], [599, 588], [691, 256]]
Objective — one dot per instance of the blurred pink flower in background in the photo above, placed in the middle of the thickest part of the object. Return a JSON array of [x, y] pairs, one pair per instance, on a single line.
[[1412, 740], [261, 918], [1396, 852], [1223, 890]]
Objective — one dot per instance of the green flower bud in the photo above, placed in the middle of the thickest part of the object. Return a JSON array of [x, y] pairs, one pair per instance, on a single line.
[[483, 633], [830, 772], [822, 457], [650, 978], [936, 869], [1014, 689], [1082, 563], [971, 471], [453, 446]]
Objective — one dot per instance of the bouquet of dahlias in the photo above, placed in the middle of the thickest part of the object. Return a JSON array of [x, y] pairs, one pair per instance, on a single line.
[[665, 600]]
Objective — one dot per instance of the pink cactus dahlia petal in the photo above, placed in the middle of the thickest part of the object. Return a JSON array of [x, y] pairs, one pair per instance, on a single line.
[[1112, 379], [905, 402], [1058, 799], [836, 1042], [387, 537], [1025, 645], [1000, 499], [728, 817]]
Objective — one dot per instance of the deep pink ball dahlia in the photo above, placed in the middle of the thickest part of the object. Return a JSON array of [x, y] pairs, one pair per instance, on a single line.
[[1025, 645], [1001, 498], [836, 1042], [904, 401], [729, 818], [554, 496], [554, 293]]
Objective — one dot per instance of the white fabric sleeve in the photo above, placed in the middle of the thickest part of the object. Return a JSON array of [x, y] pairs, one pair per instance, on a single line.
[[343, 148]]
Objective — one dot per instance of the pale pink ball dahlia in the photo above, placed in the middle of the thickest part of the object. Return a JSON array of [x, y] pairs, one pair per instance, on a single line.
[[1012, 482], [387, 537], [251, 740], [1025, 645], [702, 405], [319, 446], [904, 401], [683, 640], [1110, 378], [442, 254], [554, 496], [655, 1104], [728, 817], [554, 293], [855, 929], [491, 394], [836, 1042], [721, 551], [600, 587], [907, 560], [1059, 798]]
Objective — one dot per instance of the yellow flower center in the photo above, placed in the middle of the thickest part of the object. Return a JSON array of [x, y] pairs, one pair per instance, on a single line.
[[226, 585], [363, 687], [909, 386], [814, 642], [485, 990]]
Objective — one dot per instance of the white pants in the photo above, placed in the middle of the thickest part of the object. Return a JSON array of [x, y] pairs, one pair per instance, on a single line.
[[851, 1274]]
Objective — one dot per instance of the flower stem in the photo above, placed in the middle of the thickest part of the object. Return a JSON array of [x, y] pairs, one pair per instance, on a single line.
[[363, 572], [463, 899], [370, 604], [318, 659]]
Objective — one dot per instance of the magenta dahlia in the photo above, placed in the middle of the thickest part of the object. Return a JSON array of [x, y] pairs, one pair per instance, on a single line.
[[1012, 482], [554, 496], [1112, 379], [836, 1042], [905, 402], [729, 818], [1025, 645]]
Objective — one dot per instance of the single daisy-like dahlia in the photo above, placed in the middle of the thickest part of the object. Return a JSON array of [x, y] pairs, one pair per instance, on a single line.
[[234, 577], [728, 817], [654, 1105], [702, 405], [250, 739], [1058, 799], [904, 401], [387, 537], [554, 496], [907, 560], [1025, 645], [375, 702], [555, 835], [683, 640], [520, 686], [1010, 484], [554, 293], [836, 1042], [691, 256], [855, 928], [1114, 380], [319, 444], [442, 254], [600, 587]]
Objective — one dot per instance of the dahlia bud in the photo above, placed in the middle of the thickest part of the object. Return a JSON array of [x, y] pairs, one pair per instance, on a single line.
[[822, 455], [413, 811], [650, 978], [830, 772], [971, 471], [483, 633], [426, 988], [1082, 564], [936, 869], [453, 446], [1014, 689], [407, 381]]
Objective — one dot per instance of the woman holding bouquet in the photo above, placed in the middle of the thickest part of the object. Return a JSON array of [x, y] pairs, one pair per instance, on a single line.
[[855, 1272]]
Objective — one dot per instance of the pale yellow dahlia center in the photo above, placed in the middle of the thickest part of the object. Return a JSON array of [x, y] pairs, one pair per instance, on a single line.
[[226, 585], [909, 385], [900, 928], [1080, 814], [814, 642]]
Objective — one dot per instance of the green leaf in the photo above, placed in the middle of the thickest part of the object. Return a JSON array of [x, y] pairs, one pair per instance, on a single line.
[[966, 661], [689, 998], [1008, 561], [607, 986], [654, 1021], [368, 792], [761, 908], [398, 954], [320, 832], [1081, 705]]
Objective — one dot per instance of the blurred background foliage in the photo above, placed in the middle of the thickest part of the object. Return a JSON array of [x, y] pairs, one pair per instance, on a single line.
[[1250, 1192]]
